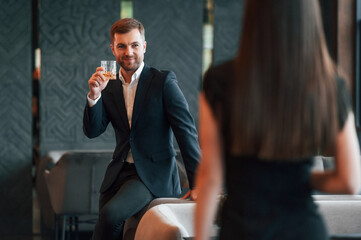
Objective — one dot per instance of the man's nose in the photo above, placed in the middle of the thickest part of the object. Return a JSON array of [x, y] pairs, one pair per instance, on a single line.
[[129, 51]]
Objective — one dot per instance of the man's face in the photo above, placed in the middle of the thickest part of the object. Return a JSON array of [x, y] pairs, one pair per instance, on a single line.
[[129, 49]]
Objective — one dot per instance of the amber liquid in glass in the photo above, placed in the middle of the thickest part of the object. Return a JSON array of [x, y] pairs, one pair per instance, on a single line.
[[109, 75]]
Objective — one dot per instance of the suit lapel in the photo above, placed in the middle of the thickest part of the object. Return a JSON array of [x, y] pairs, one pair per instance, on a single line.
[[142, 88], [118, 96]]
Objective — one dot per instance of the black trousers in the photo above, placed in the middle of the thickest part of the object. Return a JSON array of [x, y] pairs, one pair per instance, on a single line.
[[127, 196]]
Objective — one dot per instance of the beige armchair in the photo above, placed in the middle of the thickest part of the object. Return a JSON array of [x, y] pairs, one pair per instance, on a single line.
[[73, 186]]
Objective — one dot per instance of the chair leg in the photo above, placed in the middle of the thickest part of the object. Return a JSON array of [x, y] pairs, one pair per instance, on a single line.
[[70, 226], [64, 227], [56, 226], [76, 222]]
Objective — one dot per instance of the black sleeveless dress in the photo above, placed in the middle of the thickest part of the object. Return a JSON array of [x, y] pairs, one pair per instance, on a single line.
[[267, 200]]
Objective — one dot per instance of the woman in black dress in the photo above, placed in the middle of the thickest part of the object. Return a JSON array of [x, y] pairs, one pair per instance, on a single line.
[[263, 115]]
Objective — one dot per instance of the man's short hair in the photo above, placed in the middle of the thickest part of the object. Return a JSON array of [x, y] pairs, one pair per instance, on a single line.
[[126, 25]]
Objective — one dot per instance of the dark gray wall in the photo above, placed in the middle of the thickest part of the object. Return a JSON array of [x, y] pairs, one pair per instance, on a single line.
[[173, 31], [227, 28], [16, 118], [74, 37]]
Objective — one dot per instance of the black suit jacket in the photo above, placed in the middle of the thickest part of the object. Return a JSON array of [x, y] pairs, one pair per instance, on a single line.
[[159, 107]]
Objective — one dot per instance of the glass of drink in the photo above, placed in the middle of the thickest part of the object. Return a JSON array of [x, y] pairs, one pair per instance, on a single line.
[[110, 69]]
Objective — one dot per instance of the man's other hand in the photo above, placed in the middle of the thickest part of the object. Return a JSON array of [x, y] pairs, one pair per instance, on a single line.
[[192, 194]]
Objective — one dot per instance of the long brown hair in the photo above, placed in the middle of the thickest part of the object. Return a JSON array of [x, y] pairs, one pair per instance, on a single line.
[[284, 96]]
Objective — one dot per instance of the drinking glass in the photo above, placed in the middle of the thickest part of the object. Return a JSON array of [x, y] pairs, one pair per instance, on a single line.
[[110, 69]]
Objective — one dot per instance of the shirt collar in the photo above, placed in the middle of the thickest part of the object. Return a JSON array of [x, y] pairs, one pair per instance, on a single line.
[[135, 76]]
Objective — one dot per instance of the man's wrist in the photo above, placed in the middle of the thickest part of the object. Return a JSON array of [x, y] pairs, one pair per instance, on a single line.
[[91, 101], [93, 96]]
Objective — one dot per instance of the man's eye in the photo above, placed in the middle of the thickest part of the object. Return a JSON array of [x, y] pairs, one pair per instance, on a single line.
[[136, 45], [120, 46]]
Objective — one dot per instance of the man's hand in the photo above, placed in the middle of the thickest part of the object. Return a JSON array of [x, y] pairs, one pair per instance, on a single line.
[[193, 193], [97, 83]]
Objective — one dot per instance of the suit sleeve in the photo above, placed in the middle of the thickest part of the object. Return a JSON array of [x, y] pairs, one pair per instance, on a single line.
[[182, 125], [95, 120]]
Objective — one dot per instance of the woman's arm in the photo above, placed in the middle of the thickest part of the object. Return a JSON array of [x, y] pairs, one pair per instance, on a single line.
[[209, 176], [345, 178]]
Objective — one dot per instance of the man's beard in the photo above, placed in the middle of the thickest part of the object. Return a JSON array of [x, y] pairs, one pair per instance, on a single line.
[[130, 67]]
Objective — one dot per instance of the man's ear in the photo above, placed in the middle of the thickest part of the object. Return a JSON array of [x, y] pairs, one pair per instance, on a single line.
[[145, 46], [112, 47]]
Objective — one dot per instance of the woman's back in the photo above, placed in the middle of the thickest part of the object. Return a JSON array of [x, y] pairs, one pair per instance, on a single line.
[[266, 197], [268, 200]]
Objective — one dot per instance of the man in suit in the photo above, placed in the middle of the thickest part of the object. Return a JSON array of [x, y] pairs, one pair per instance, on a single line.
[[144, 106]]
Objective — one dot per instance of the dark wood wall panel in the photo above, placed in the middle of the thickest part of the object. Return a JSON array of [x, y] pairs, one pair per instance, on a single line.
[[329, 18], [74, 37], [227, 28], [16, 119], [173, 31]]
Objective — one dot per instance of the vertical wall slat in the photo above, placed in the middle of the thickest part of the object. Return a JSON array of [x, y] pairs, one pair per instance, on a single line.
[[16, 118], [74, 37]]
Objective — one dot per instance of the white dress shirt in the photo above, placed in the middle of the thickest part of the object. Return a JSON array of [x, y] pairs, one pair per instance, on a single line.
[[129, 90]]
